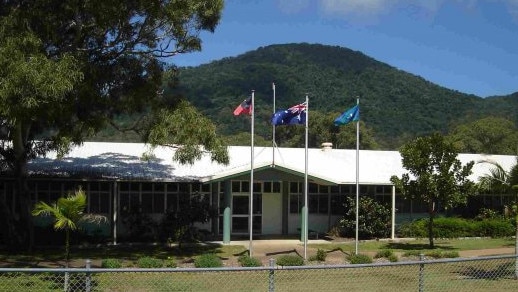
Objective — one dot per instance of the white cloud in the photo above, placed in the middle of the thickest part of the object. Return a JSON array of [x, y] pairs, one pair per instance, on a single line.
[[361, 8], [356, 7], [292, 6], [512, 5]]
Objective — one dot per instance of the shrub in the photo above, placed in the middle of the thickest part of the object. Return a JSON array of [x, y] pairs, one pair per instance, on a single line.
[[450, 254], [388, 254], [208, 260], [320, 256], [392, 258], [486, 213], [416, 228], [170, 263], [451, 227], [494, 228], [458, 227], [111, 264], [290, 260], [438, 254], [376, 213], [412, 253], [359, 259], [384, 253], [442, 254], [247, 261], [149, 262]]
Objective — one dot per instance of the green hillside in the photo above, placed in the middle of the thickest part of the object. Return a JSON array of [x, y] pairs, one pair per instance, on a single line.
[[396, 106]]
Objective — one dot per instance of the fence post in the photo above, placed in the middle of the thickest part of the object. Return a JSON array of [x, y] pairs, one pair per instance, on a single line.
[[421, 273], [271, 278], [88, 281]]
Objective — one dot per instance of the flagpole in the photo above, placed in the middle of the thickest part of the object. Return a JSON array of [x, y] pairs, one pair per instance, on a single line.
[[306, 183], [251, 203], [273, 127], [357, 177]]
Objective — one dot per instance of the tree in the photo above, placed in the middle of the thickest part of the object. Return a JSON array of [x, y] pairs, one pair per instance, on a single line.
[[435, 176], [500, 181], [179, 224], [490, 135], [70, 68], [373, 218], [68, 215]]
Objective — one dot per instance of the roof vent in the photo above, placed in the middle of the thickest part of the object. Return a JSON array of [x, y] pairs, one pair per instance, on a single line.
[[327, 145]]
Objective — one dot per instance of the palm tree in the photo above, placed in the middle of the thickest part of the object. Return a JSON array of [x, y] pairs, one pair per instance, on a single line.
[[68, 215], [504, 182]]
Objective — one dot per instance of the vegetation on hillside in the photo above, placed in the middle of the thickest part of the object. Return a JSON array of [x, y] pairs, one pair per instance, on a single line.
[[396, 105]]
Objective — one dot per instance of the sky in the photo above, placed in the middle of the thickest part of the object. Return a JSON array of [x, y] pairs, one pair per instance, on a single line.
[[466, 45]]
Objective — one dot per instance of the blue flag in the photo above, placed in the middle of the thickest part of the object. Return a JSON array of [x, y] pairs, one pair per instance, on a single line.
[[295, 115], [350, 115]]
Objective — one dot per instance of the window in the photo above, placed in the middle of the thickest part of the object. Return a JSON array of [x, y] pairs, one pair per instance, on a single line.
[[318, 204], [244, 186], [337, 204], [296, 204], [258, 206], [147, 197], [313, 188], [268, 187], [147, 203], [172, 201], [257, 187], [240, 205], [271, 187], [295, 187], [323, 206], [313, 204]]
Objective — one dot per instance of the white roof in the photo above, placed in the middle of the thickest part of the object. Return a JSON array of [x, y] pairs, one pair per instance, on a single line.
[[123, 161]]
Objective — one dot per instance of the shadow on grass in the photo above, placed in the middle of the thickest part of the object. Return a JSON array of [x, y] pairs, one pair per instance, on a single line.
[[501, 271], [337, 249], [282, 252], [416, 246], [54, 257]]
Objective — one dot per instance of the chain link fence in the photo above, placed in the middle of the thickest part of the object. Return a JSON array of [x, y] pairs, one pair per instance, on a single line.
[[496, 273]]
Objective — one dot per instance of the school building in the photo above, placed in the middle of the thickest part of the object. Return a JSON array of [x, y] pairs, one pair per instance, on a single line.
[[119, 181]]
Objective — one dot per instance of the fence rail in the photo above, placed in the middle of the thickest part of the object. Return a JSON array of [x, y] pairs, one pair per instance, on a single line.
[[493, 273]]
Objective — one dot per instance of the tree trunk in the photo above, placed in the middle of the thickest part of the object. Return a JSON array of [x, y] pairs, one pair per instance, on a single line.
[[67, 246], [24, 229], [431, 213], [8, 225]]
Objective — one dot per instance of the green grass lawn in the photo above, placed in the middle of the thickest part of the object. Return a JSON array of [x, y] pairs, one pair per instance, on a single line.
[[469, 276], [421, 244], [133, 253], [126, 253]]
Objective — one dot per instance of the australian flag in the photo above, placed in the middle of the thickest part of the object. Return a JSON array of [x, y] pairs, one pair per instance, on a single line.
[[295, 115]]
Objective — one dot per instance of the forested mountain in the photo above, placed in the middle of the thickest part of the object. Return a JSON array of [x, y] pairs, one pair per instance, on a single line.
[[395, 105]]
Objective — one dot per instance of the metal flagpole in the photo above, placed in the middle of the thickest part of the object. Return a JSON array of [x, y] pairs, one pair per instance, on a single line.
[[357, 177], [251, 203], [306, 183], [273, 127]]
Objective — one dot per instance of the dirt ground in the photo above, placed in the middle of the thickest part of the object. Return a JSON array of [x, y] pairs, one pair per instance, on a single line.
[[265, 251]]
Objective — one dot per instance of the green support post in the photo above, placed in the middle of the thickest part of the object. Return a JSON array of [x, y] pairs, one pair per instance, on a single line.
[[227, 213]]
